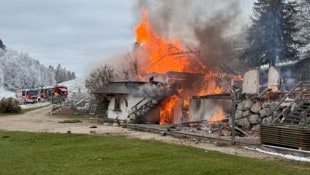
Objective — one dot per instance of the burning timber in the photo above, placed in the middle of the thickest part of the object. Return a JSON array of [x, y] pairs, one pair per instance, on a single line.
[[209, 117], [205, 137], [194, 134]]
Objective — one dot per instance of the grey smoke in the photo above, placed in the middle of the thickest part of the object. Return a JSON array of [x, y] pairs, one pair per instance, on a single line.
[[152, 91], [200, 24]]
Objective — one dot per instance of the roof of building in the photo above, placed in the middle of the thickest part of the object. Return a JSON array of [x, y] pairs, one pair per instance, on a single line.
[[150, 89], [121, 87]]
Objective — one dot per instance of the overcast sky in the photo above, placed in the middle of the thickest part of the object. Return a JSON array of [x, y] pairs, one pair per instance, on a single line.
[[75, 33]]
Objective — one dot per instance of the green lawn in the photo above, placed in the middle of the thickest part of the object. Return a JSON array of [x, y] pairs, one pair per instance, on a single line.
[[23, 111], [42, 154], [32, 109]]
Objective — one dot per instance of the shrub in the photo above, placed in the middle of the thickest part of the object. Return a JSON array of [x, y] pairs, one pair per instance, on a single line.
[[9, 105]]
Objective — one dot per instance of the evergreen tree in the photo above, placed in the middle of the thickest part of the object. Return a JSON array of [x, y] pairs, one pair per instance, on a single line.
[[51, 68], [61, 74], [73, 76], [58, 74], [2, 46], [272, 35], [304, 20]]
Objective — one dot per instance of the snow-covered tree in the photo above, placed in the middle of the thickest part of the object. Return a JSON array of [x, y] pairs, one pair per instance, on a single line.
[[19, 71], [61, 74]]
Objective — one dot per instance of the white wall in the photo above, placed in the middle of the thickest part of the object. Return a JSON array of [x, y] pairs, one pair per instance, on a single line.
[[123, 114]]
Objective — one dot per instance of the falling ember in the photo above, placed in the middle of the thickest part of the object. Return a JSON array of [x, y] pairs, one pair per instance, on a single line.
[[167, 110]]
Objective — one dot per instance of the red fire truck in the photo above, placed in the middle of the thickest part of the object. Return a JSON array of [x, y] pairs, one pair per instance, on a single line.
[[61, 91], [27, 96], [41, 94]]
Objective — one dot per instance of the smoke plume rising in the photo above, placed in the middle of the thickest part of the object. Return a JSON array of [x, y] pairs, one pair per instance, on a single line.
[[199, 24]]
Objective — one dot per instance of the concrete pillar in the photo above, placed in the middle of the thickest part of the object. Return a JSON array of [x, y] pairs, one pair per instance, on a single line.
[[274, 79], [251, 82]]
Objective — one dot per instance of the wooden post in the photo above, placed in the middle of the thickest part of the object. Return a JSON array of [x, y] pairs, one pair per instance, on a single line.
[[235, 93]]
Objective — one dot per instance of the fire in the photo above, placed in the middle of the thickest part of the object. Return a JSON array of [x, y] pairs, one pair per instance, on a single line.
[[161, 56], [166, 110], [203, 92], [143, 30], [186, 103], [160, 51], [217, 90], [217, 117]]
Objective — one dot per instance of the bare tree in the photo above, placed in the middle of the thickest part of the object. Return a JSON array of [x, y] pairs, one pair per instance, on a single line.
[[100, 77], [97, 79], [131, 69]]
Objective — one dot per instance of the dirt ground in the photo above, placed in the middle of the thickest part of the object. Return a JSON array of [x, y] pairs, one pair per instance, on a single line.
[[40, 121]]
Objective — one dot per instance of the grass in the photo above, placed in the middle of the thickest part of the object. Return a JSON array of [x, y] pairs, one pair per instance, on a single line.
[[32, 109], [44, 153], [23, 111]]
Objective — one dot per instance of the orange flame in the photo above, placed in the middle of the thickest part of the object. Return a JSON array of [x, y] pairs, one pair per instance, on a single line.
[[161, 56], [202, 92], [166, 110], [186, 103], [218, 90], [158, 50], [217, 117]]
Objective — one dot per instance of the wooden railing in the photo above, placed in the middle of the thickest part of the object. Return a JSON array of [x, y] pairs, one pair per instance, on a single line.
[[298, 95], [135, 107]]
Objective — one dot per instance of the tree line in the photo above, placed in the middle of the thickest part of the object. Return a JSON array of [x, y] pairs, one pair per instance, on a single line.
[[61, 73], [19, 71]]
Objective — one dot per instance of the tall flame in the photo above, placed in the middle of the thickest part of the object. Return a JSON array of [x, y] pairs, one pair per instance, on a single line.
[[166, 110], [160, 52], [162, 56]]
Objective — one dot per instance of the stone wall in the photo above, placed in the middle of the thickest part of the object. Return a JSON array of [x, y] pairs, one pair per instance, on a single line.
[[251, 113]]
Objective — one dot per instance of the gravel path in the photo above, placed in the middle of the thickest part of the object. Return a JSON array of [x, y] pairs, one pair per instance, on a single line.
[[40, 121]]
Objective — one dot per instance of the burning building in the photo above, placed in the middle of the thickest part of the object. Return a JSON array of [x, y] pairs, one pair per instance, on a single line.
[[178, 72], [169, 83]]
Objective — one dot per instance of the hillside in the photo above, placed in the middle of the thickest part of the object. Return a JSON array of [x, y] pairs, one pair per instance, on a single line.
[[19, 71]]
